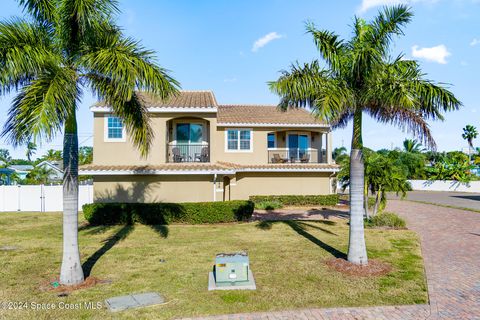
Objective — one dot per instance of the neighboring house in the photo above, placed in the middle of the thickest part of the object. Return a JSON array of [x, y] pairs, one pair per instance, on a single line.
[[20, 170], [203, 151], [56, 169]]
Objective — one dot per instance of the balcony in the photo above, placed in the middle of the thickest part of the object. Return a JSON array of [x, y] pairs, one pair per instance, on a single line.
[[188, 152], [296, 155]]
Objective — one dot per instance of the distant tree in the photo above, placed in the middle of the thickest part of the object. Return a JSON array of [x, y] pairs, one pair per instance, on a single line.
[[454, 166], [39, 175], [411, 163], [5, 155], [53, 155], [31, 149], [339, 154], [85, 155], [412, 145], [469, 133]]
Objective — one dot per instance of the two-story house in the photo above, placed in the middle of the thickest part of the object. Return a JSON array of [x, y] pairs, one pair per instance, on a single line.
[[203, 151]]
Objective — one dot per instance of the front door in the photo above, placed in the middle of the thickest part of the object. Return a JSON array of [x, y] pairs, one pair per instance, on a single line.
[[297, 146]]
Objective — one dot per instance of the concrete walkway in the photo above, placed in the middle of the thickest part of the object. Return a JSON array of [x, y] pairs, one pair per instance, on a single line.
[[456, 199], [451, 250]]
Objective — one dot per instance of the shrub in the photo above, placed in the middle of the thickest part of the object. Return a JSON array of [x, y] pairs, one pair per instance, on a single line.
[[386, 219], [268, 205], [165, 213], [294, 200], [371, 204]]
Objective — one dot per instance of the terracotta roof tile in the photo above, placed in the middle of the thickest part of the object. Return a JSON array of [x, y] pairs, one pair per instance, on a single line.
[[218, 166], [258, 114], [184, 99]]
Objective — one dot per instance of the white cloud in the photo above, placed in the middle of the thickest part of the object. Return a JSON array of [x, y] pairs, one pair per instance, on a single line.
[[474, 42], [436, 54], [263, 41], [368, 4]]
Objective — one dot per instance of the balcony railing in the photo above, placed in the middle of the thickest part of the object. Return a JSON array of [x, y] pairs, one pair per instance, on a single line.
[[295, 155], [188, 152]]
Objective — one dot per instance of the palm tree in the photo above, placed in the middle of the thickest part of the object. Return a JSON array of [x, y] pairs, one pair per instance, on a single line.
[[40, 175], [5, 155], [339, 153], [53, 155], [360, 77], [412, 145], [61, 49], [31, 148], [469, 133]]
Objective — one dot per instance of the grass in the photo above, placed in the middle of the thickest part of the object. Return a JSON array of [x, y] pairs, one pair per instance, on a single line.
[[287, 259]]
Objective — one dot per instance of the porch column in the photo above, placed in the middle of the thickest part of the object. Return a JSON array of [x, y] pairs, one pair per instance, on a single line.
[[329, 147]]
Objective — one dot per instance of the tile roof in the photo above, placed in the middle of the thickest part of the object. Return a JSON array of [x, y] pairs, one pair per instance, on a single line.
[[184, 99], [209, 167], [258, 114]]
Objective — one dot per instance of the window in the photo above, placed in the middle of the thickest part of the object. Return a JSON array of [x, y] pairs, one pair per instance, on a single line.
[[114, 130], [239, 140], [271, 140]]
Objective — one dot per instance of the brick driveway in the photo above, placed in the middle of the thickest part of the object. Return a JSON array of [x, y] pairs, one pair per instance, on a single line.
[[451, 250]]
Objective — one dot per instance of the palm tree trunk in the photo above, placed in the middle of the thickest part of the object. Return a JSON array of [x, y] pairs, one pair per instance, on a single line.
[[365, 203], [357, 251], [377, 202], [71, 271]]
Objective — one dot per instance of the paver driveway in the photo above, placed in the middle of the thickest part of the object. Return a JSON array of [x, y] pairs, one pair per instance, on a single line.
[[451, 250]]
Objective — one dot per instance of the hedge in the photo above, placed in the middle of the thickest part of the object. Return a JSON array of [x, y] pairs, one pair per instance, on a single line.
[[294, 200], [166, 213]]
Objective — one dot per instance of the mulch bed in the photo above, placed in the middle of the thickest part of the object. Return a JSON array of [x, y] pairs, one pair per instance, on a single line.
[[374, 267], [88, 283]]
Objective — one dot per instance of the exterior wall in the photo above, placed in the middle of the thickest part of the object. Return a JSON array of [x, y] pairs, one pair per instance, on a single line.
[[259, 153], [279, 183], [161, 188], [125, 153]]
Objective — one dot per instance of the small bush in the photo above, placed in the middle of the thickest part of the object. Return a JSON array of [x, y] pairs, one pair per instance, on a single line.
[[268, 205], [386, 219], [165, 213], [294, 200]]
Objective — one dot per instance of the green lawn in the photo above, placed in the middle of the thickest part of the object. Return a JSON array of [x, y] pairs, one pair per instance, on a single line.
[[287, 259]]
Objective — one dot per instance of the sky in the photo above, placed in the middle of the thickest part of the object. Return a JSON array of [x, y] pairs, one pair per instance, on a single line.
[[234, 47]]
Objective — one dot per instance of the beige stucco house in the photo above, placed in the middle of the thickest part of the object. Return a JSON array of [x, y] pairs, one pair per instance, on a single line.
[[203, 151]]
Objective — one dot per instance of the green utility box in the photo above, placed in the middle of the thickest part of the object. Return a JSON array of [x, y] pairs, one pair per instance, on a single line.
[[231, 267]]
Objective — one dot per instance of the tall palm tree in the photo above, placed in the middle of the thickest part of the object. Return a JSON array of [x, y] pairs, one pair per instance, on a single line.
[[412, 145], [360, 77], [62, 48], [469, 133], [31, 148]]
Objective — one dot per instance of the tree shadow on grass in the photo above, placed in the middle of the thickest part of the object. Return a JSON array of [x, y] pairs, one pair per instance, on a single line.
[[300, 228], [162, 230], [108, 244]]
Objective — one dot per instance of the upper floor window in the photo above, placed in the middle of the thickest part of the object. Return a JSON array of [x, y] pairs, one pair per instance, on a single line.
[[271, 140], [239, 139], [114, 129]]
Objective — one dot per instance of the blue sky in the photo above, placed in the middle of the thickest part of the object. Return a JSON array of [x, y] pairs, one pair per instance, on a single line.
[[234, 47]]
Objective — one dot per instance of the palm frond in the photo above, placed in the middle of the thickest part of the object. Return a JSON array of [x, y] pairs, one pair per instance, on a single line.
[[329, 44], [127, 105], [43, 11], [26, 50], [126, 61], [407, 120], [41, 107], [389, 22]]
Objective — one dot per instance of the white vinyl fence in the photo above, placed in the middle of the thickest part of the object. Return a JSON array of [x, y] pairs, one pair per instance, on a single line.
[[426, 185], [39, 197]]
